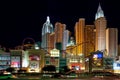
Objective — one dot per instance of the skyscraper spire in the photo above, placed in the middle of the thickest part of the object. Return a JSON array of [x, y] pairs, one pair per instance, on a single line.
[[47, 26], [99, 13], [48, 19]]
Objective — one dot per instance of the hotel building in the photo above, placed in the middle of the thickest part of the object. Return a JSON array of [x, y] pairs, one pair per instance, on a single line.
[[111, 42], [100, 25]]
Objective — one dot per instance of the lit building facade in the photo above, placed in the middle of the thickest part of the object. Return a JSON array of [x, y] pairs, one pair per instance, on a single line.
[[100, 24], [5, 60], [25, 58], [71, 41], [36, 60], [75, 52], [71, 47], [66, 35], [89, 45], [79, 35], [52, 41], [111, 42], [54, 58], [46, 30], [89, 38], [59, 42], [29, 60], [59, 30], [16, 58], [48, 47]]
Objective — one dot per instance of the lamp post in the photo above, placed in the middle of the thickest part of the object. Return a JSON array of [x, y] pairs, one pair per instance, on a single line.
[[90, 63]]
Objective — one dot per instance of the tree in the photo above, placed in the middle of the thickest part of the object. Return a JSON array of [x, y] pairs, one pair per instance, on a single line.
[[49, 68], [10, 69]]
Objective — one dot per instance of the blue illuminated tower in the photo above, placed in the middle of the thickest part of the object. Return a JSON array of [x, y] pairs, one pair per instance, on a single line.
[[46, 30]]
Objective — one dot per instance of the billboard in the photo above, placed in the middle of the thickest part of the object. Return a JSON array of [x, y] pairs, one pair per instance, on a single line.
[[97, 59]]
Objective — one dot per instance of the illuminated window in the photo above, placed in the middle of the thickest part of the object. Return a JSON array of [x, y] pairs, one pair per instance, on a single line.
[[74, 60], [54, 53]]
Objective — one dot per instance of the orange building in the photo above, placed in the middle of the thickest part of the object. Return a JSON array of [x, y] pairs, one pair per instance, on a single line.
[[79, 35], [59, 29], [100, 24]]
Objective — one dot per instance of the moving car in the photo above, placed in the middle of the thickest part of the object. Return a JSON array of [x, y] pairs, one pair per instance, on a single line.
[[71, 74], [103, 74]]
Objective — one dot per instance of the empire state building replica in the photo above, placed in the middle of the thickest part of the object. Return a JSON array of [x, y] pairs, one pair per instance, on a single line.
[[100, 24]]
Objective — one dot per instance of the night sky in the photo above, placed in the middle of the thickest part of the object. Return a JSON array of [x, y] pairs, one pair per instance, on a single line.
[[24, 18]]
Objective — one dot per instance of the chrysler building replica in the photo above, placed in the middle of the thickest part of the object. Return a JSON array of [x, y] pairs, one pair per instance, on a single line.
[[46, 30]]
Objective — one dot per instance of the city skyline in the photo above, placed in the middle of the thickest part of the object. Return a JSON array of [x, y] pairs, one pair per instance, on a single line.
[[25, 19]]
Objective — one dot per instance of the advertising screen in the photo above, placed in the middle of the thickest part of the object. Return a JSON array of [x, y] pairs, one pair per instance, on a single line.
[[15, 61], [97, 59]]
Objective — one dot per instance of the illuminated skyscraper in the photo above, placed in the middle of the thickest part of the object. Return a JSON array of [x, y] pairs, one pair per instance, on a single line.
[[59, 40], [52, 41], [111, 42], [100, 24], [89, 37], [66, 34], [79, 35], [59, 29], [46, 30]]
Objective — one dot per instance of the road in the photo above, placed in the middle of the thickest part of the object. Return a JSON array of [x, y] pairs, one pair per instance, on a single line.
[[64, 79]]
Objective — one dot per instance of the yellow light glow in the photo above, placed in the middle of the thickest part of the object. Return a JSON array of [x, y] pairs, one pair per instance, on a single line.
[[82, 68]]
